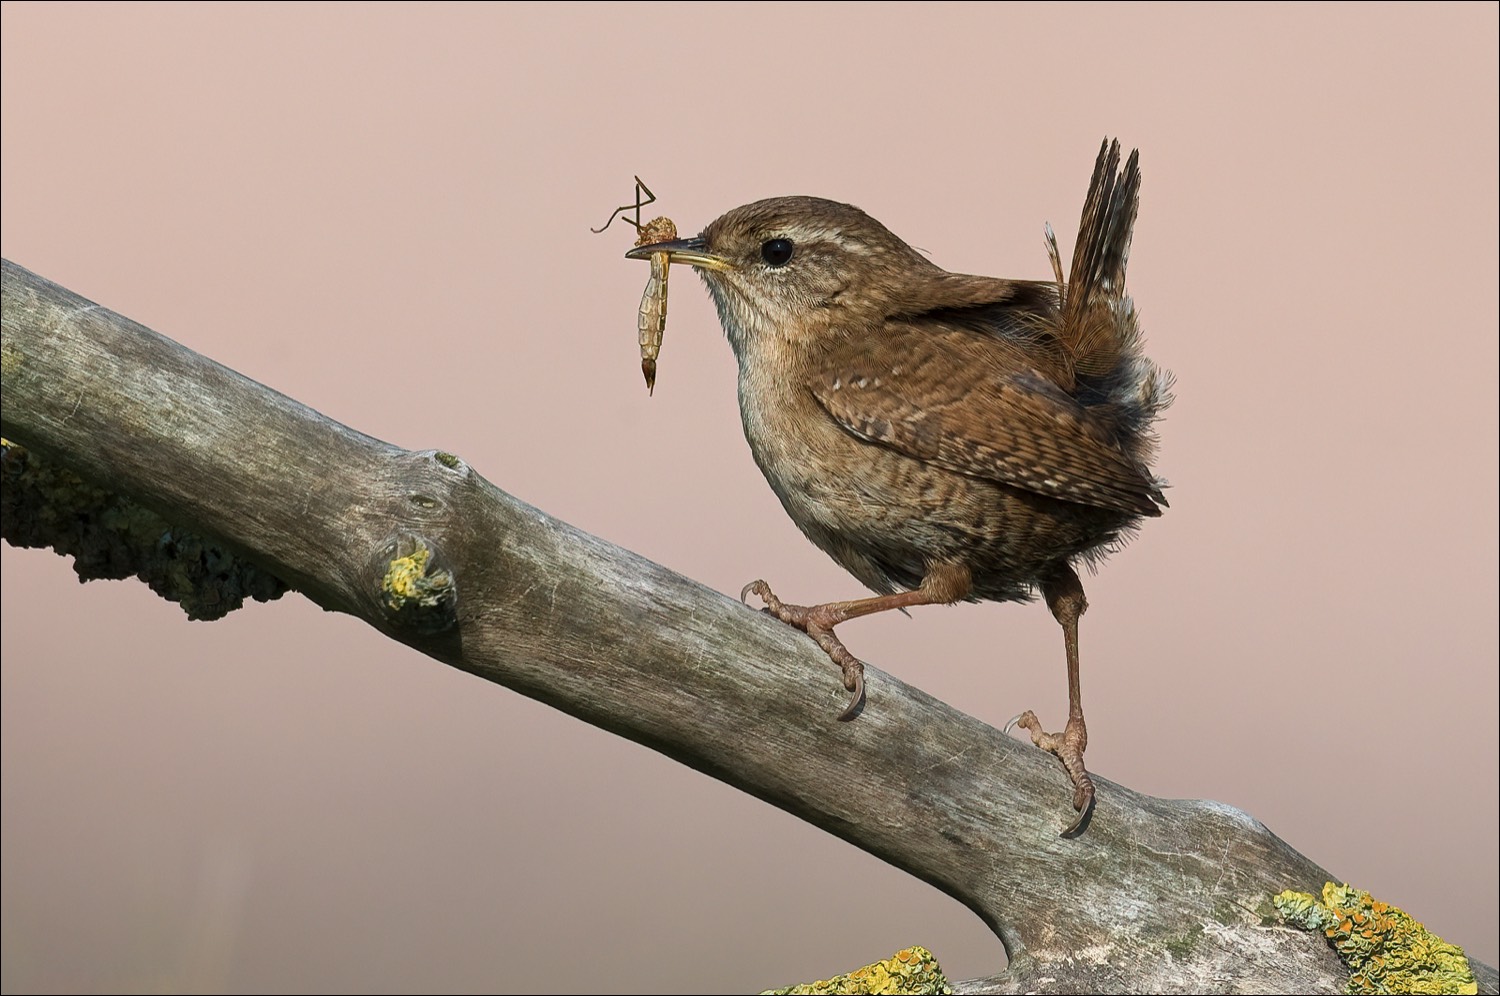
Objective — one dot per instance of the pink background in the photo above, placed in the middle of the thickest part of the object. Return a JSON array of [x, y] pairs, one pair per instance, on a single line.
[[384, 212]]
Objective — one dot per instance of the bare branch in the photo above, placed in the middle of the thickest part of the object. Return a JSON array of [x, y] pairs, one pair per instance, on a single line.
[[1167, 896]]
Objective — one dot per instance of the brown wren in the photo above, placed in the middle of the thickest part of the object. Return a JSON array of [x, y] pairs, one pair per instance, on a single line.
[[942, 436]]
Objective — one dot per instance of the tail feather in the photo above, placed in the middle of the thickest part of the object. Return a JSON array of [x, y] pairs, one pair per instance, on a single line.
[[1094, 327], [1096, 323]]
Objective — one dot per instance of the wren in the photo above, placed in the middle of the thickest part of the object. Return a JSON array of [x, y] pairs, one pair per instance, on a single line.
[[943, 437]]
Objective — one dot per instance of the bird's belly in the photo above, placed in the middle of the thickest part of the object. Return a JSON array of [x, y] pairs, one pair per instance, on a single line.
[[885, 516]]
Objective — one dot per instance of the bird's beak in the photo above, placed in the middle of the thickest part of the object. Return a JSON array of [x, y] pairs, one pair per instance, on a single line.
[[693, 252]]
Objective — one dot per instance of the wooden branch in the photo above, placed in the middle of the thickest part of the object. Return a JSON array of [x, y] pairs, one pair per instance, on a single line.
[[1166, 896]]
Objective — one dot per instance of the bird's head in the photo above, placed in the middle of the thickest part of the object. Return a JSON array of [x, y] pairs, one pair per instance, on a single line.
[[788, 270]]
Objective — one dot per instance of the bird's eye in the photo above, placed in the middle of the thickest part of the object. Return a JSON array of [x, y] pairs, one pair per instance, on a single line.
[[777, 252]]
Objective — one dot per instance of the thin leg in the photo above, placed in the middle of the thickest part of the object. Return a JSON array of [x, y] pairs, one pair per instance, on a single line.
[[640, 188], [1064, 595], [944, 584]]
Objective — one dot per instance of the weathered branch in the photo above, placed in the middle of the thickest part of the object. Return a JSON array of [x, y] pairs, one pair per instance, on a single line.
[[1157, 895]]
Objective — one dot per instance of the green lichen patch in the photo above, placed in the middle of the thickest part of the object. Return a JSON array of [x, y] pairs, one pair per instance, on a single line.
[[912, 970], [448, 460], [10, 359], [110, 536], [1386, 950], [1182, 947]]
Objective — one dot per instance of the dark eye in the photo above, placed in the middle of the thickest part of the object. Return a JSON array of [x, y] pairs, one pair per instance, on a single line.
[[777, 252]]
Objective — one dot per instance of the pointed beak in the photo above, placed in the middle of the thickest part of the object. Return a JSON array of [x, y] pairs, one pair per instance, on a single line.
[[693, 252]]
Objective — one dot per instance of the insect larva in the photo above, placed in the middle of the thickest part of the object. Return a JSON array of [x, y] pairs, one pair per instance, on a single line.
[[653, 319], [652, 325]]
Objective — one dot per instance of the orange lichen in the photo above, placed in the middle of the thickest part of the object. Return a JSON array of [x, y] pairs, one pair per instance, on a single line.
[[1386, 950]]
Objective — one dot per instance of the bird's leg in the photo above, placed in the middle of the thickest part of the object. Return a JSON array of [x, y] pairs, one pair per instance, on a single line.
[[943, 584], [1064, 595], [817, 621]]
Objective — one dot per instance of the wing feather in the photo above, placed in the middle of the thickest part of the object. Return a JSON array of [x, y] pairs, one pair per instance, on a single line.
[[955, 402]]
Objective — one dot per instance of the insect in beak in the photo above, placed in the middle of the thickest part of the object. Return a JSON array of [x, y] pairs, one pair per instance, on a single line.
[[652, 323]]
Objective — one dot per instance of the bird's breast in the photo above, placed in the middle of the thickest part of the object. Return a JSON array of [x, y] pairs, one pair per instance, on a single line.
[[861, 504], [792, 439]]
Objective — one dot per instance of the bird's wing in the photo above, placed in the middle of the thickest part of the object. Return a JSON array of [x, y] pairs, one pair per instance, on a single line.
[[956, 401]]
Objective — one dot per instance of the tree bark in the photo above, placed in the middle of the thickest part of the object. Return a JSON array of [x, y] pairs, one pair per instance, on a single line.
[[1157, 895]]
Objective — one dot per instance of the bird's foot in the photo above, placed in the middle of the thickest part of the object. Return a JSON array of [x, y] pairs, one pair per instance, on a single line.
[[817, 621], [1068, 746]]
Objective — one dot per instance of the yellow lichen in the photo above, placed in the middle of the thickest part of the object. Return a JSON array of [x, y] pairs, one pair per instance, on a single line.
[[406, 581], [1386, 950], [912, 970], [419, 595], [403, 576]]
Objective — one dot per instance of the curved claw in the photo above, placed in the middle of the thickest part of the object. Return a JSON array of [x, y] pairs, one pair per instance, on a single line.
[[1028, 722], [1085, 815], [749, 589], [856, 698], [1068, 748]]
